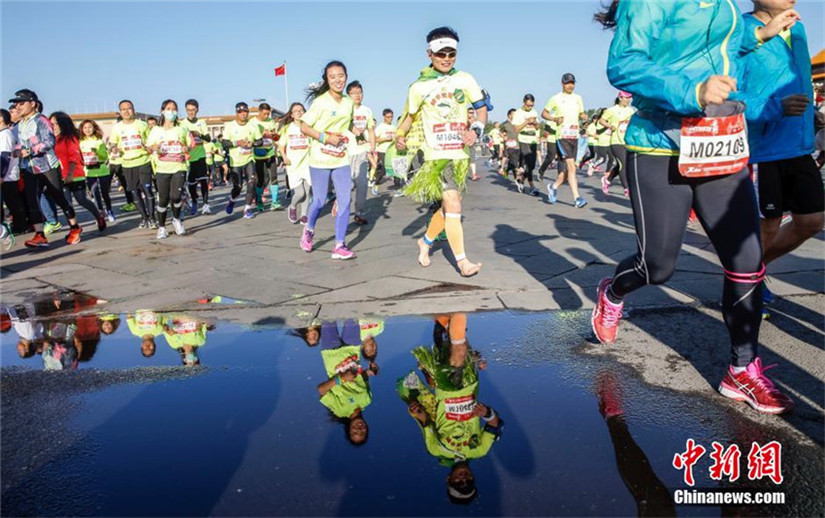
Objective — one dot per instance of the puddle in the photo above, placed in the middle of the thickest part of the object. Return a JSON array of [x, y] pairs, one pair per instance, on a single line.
[[216, 419]]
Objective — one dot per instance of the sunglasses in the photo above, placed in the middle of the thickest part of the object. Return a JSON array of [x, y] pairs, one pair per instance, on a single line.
[[445, 55]]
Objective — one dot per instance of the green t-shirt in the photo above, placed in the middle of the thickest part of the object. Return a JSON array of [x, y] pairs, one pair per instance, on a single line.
[[362, 119], [93, 151], [145, 322], [568, 106], [528, 134], [345, 398], [385, 131], [495, 136], [619, 117], [187, 331], [443, 101], [197, 130], [233, 132], [130, 140], [326, 115], [267, 149], [209, 149], [171, 155]]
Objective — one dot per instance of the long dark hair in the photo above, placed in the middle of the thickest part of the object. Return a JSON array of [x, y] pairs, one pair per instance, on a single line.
[[287, 119], [607, 15], [321, 89], [162, 106], [66, 125]]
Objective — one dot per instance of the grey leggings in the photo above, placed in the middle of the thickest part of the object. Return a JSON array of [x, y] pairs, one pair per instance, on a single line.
[[300, 194]]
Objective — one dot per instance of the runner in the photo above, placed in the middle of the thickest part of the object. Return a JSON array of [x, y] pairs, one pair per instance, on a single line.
[[171, 142], [10, 176], [592, 138], [602, 144], [364, 127], [616, 119], [116, 167], [789, 179], [39, 166], [564, 109], [198, 169], [146, 325], [442, 95], [659, 77], [67, 149], [266, 167], [98, 177], [550, 136], [221, 169], [128, 138], [526, 123], [384, 135], [496, 140], [294, 146], [328, 122], [511, 154], [240, 137]]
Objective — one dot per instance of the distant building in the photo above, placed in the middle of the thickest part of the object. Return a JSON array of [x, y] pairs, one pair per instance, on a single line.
[[214, 123]]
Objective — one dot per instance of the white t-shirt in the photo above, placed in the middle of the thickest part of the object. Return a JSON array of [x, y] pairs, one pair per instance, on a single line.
[[7, 143]]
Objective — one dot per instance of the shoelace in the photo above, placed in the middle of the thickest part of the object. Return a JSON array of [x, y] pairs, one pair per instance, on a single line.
[[761, 380], [612, 313]]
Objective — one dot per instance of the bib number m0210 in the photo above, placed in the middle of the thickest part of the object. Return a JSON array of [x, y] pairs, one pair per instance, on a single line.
[[713, 146]]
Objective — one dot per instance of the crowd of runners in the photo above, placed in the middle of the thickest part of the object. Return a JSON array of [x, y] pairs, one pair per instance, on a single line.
[[722, 140]]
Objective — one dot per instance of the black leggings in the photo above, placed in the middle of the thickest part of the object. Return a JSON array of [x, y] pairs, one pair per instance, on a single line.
[[117, 172], [100, 186], [610, 161], [601, 155], [591, 153], [170, 189], [266, 171], [529, 153], [17, 208], [198, 175], [139, 180], [243, 174], [620, 167], [52, 184], [77, 190], [726, 207]]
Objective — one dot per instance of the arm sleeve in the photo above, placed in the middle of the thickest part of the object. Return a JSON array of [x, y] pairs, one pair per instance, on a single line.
[[630, 67]]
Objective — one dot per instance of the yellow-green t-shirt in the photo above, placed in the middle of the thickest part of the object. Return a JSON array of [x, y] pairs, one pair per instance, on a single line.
[[174, 143], [385, 131], [528, 134], [328, 116], [196, 131], [443, 102], [267, 148], [362, 119], [93, 151], [568, 106], [345, 398], [145, 322], [592, 137], [297, 151], [186, 331], [209, 150], [619, 117], [233, 132], [495, 136], [130, 140]]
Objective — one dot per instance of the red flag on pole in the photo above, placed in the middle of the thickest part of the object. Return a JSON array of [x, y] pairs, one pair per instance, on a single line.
[[281, 70]]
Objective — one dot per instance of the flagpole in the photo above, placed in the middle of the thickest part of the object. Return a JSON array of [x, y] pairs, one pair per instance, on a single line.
[[286, 88]]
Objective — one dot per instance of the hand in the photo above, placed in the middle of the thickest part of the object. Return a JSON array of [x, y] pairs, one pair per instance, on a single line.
[[244, 143], [795, 104], [470, 137], [24, 152], [417, 411], [400, 143], [716, 90], [357, 131], [373, 369], [347, 376], [778, 23], [333, 139], [479, 410], [287, 162], [558, 120]]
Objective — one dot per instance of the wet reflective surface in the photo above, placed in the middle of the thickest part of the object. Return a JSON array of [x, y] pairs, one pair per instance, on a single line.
[[478, 414]]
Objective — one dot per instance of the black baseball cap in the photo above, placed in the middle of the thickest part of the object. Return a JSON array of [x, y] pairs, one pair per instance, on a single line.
[[241, 107], [568, 78], [24, 95]]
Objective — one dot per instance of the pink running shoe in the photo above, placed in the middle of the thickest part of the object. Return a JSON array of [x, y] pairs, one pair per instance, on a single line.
[[605, 184], [755, 389], [342, 252], [606, 315], [306, 240]]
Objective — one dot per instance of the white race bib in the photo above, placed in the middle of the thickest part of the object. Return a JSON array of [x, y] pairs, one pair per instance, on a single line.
[[131, 142], [447, 136], [570, 132], [298, 142], [459, 408], [90, 158]]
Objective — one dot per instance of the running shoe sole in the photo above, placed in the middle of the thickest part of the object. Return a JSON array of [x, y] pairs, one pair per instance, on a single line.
[[738, 396]]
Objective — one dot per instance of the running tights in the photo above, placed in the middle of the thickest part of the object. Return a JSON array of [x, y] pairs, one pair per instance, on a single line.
[[342, 180], [170, 189]]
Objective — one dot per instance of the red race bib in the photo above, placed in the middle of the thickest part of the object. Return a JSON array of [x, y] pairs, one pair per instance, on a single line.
[[713, 146]]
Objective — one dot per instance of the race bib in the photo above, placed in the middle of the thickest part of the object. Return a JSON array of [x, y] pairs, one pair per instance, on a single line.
[[185, 327], [267, 142], [447, 136], [90, 158], [298, 142], [713, 146], [244, 151], [459, 408], [132, 142], [338, 151], [511, 144], [359, 122], [171, 152], [147, 319], [570, 132]]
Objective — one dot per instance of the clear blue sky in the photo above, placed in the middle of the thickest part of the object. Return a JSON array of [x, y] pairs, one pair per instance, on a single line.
[[85, 56]]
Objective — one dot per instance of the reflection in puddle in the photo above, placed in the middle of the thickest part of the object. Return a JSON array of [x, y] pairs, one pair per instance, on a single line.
[[487, 414]]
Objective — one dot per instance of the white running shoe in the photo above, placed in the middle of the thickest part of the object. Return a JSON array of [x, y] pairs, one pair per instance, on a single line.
[[206, 209], [178, 225], [162, 233]]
